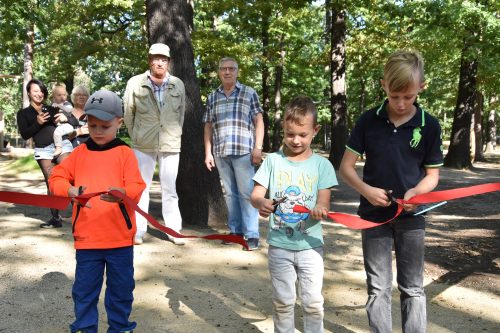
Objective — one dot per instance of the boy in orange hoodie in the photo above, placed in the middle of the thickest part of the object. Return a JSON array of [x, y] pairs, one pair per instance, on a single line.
[[104, 229]]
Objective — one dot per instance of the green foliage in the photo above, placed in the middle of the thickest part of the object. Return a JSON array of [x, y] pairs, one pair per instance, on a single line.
[[105, 41], [104, 38]]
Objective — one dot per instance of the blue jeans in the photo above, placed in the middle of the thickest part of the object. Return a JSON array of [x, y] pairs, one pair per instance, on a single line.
[[407, 234], [90, 265], [236, 173], [285, 267]]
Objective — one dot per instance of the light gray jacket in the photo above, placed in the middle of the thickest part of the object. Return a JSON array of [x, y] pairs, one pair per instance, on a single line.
[[151, 128]]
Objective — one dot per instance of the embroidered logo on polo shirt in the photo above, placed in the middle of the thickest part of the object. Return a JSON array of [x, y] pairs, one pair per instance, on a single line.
[[416, 137]]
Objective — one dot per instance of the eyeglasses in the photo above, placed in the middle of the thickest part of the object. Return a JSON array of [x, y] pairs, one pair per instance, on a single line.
[[159, 60], [81, 95], [231, 69]]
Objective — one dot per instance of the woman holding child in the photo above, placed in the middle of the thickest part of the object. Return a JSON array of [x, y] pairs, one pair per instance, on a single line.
[[38, 122]]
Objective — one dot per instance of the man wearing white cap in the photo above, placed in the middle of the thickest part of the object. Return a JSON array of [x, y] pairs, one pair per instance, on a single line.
[[154, 105]]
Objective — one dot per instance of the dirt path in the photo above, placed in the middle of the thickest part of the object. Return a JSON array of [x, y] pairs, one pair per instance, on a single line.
[[207, 287]]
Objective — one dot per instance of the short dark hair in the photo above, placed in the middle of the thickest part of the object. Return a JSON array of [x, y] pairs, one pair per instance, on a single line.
[[39, 83], [299, 107]]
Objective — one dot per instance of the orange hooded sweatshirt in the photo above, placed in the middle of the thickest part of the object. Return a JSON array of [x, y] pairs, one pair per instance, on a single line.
[[103, 225]]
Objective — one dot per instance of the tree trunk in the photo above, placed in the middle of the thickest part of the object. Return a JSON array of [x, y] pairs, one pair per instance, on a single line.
[[478, 128], [458, 156], [278, 81], [200, 193], [69, 81], [362, 95], [491, 131], [265, 80], [2, 127], [338, 105], [28, 61]]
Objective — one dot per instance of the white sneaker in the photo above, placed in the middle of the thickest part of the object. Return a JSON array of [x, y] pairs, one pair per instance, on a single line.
[[177, 241], [138, 240]]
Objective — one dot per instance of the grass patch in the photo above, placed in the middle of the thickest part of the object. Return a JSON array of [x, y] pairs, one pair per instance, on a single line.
[[24, 164]]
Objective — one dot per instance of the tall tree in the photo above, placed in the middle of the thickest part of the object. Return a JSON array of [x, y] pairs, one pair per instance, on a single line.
[[278, 82], [28, 60], [200, 194], [338, 99], [459, 151], [266, 94], [491, 129], [458, 42], [478, 127]]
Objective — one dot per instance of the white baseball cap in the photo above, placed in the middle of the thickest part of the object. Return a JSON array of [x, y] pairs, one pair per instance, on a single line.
[[160, 48]]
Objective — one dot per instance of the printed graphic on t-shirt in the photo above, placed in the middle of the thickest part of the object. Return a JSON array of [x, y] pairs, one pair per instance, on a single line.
[[285, 216], [303, 180]]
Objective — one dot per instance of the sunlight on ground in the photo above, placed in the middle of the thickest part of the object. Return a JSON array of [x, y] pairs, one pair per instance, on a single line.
[[453, 298]]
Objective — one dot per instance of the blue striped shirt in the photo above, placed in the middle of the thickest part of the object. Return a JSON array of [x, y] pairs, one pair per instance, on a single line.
[[159, 91], [232, 119]]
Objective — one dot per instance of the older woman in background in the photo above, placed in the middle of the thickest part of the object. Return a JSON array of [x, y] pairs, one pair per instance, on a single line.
[[79, 96]]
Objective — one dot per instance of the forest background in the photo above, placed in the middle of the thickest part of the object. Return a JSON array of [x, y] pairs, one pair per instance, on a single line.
[[333, 51]]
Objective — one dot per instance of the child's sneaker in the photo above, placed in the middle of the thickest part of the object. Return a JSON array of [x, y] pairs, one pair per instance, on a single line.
[[177, 241], [138, 240], [52, 223]]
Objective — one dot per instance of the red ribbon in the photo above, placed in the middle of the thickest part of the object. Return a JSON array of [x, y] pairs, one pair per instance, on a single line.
[[350, 221], [57, 202], [355, 222]]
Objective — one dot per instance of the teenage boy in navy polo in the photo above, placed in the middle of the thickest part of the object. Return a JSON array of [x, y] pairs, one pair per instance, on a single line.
[[402, 144], [104, 229]]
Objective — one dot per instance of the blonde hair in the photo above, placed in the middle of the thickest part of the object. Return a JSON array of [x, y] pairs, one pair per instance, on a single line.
[[299, 107], [57, 86], [402, 69]]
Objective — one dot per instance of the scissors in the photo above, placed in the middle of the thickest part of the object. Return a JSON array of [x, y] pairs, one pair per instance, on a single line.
[[277, 201], [391, 197]]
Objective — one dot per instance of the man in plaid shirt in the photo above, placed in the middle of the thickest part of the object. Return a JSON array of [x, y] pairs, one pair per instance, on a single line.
[[233, 136]]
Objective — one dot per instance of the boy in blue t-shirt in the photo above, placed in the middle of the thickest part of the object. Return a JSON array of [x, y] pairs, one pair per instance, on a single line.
[[296, 176]]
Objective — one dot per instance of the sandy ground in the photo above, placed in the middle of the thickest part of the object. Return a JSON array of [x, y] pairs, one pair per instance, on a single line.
[[208, 287]]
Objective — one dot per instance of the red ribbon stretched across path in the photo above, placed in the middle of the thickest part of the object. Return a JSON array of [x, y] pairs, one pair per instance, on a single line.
[[351, 221], [56, 202], [355, 222]]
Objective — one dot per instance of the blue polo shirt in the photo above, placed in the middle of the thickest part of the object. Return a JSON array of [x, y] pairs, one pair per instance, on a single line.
[[396, 157]]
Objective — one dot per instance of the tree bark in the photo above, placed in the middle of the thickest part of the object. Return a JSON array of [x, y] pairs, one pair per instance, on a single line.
[[265, 79], [491, 131], [478, 128], [458, 156], [200, 193], [338, 105], [278, 81], [69, 81], [28, 61]]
